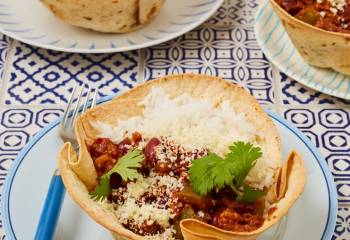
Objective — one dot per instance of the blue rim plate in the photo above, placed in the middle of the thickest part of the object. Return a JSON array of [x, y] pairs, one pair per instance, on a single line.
[[278, 48], [27, 182], [44, 30]]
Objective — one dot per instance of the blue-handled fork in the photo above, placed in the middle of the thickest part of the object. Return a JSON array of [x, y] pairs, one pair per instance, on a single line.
[[55, 195]]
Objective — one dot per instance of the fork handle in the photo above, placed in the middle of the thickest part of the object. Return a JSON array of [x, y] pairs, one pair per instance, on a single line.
[[51, 210]]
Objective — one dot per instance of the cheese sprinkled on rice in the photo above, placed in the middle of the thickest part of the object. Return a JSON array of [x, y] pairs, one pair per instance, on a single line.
[[139, 214], [193, 124], [134, 209]]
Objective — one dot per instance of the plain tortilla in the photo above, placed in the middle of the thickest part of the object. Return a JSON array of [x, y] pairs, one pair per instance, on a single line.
[[77, 172], [318, 47], [112, 16]]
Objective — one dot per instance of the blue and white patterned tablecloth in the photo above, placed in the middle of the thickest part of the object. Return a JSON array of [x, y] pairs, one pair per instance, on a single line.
[[35, 84]]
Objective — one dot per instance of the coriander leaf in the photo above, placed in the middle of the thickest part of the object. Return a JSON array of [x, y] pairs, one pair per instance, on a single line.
[[249, 194], [243, 156], [209, 172], [212, 171], [102, 190], [224, 173], [126, 165]]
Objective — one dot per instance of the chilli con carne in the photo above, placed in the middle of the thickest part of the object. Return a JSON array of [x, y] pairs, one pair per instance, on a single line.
[[166, 186], [330, 15]]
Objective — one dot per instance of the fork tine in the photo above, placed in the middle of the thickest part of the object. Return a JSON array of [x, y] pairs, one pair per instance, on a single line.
[[87, 99], [66, 111], [93, 104], [77, 106]]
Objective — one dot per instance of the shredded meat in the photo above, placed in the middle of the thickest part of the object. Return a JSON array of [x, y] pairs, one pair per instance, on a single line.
[[102, 146], [106, 153], [146, 229], [230, 219]]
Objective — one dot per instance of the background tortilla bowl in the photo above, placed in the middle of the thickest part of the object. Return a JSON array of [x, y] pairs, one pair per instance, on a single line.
[[79, 175], [320, 48], [106, 16]]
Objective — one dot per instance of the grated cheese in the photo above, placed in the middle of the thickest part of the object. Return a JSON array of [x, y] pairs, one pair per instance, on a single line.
[[134, 210], [138, 214], [337, 5], [333, 10], [200, 214]]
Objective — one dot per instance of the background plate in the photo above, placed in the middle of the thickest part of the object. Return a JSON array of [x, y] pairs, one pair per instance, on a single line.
[[27, 183], [278, 48], [43, 29]]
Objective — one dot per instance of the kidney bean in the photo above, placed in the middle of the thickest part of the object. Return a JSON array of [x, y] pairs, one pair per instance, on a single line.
[[150, 151], [122, 146], [116, 181]]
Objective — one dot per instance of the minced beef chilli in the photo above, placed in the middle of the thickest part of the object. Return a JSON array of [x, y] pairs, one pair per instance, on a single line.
[[330, 15], [165, 169]]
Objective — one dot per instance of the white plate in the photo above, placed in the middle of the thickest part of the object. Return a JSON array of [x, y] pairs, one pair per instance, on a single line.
[[31, 22], [312, 217], [278, 48]]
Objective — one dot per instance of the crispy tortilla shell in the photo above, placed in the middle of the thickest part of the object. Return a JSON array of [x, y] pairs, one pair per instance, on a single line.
[[78, 173], [149, 9], [318, 47], [118, 16]]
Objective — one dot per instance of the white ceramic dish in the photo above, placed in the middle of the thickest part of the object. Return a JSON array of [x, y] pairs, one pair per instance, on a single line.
[[312, 217], [31, 22], [278, 48]]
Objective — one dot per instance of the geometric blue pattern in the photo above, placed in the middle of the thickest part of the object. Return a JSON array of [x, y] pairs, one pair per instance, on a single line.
[[295, 93], [336, 141], [19, 118], [46, 116], [303, 118], [13, 141], [339, 163], [232, 54], [41, 76], [334, 118], [328, 129], [342, 224], [36, 84], [234, 12], [4, 47]]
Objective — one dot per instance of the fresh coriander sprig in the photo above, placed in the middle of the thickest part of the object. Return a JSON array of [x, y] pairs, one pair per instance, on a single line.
[[212, 171], [243, 157], [126, 167], [101, 191]]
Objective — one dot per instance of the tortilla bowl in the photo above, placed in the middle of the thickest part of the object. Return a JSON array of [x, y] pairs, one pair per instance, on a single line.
[[119, 16], [80, 177], [320, 48]]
